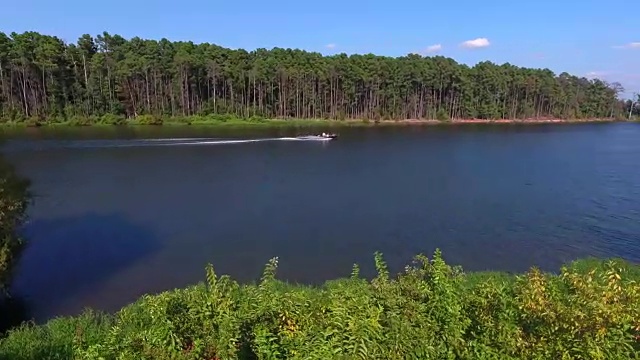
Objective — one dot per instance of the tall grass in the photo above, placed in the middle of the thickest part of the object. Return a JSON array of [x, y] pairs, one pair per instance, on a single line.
[[590, 310]]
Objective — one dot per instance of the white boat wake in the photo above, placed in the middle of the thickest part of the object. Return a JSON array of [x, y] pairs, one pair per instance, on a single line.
[[192, 141], [97, 144]]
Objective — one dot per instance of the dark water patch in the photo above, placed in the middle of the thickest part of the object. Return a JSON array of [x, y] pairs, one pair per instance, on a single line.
[[67, 258], [14, 310]]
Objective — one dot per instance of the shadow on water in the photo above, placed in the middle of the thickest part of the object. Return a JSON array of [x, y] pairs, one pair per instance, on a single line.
[[67, 256], [13, 311]]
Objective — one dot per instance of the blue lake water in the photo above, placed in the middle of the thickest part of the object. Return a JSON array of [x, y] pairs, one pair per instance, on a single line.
[[118, 214]]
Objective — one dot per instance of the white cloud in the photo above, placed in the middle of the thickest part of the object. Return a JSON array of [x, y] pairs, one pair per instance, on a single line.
[[631, 45], [597, 74], [330, 46], [432, 48], [476, 43]]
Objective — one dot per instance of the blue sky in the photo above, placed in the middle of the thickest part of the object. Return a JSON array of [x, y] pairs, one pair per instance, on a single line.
[[586, 38]]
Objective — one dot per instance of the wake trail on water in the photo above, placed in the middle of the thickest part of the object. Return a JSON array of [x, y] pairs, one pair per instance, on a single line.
[[191, 141], [41, 145]]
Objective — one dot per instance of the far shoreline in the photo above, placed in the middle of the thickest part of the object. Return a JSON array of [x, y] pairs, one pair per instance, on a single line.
[[288, 123]]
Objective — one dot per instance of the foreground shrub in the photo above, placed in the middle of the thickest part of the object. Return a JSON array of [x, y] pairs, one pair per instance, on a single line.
[[591, 310]]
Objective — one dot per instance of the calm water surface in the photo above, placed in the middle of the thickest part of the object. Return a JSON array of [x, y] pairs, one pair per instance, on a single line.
[[117, 214]]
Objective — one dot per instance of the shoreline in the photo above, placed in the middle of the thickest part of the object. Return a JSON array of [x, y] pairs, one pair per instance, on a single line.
[[307, 123], [499, 121]]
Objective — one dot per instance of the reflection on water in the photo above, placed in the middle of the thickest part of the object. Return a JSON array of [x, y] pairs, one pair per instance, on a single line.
[[110, 223]]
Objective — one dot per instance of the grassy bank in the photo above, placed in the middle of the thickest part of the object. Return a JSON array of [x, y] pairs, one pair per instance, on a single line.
[[590, 310], [233, 121]]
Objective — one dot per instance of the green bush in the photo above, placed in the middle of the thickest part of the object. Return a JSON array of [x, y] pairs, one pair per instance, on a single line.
[[442, 115], [111, 119], [591, 310], [148, 120], [14, 198], [80, 121]]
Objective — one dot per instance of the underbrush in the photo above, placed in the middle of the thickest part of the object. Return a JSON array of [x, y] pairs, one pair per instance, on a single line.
[[590, 310]]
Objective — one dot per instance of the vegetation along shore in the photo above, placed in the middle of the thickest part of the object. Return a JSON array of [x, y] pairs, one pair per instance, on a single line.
[[591, 310], [218, 121], [107, 79]]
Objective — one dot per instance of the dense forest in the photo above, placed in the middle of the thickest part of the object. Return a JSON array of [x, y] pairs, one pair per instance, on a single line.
[[44, 79]]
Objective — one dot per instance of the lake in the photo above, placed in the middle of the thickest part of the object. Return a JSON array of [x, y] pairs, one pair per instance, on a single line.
[[118, 214]]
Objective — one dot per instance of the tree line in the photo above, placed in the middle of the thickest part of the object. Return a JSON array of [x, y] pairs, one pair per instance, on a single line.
[[46, 79]]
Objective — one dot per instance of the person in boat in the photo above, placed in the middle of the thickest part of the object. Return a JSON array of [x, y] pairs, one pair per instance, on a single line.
[[327, 135]]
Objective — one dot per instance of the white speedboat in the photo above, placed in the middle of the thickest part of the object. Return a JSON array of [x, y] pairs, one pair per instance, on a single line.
[[329, 136]]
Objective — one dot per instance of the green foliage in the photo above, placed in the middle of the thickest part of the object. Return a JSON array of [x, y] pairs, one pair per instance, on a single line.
[[14, 198], [591, 310], [442, 115], [60, 338], [148, 120], [145, 81]]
